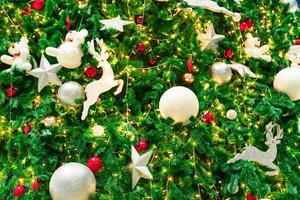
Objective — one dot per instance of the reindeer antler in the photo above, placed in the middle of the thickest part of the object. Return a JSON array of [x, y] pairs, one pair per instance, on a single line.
[[92, 50], [269, 130], [279, 134], [102, 45]]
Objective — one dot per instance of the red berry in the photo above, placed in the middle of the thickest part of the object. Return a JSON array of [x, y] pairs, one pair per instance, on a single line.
[[35, 185], [189, 64], [26, 11], [27, 128], [19, 190], [139, 19], [249, 23], [95, 164], [91, 72], [297, 41], [140, 47], [11, 91], [68, 23], [153, 62], [38, 4], [250, 197], [228, 53], [208, 117], [243, 26], [142, 145]]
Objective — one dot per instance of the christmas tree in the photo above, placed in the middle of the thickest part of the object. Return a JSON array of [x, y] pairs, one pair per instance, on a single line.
[[93, 82]]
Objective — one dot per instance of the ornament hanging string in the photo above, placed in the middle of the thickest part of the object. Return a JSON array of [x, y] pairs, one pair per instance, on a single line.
[[11, 74]]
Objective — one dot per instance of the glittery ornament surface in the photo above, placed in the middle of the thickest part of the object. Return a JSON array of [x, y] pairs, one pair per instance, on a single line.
[[72, 181]]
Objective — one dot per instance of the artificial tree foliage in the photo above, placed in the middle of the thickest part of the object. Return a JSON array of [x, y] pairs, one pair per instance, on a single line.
[[189, 161]]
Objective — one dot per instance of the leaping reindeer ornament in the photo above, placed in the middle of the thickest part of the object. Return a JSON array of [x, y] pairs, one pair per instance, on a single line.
[[265, 158], [214, 7], [105, 83]]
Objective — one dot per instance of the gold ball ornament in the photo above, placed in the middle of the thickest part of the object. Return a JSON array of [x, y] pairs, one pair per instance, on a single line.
[[49, 121], [188, 78]]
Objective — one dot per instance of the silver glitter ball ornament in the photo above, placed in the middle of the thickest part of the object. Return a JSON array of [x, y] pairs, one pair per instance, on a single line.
[[70, 91], [221, 73], [72, 181]]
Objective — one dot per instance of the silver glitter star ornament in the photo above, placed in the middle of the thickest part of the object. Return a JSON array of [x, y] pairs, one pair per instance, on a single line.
[[46, 73], [210, 39], [139, 166], [115, 23]]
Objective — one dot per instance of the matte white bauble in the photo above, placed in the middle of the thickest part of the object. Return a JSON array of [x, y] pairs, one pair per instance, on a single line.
[[231, 114], [72, 181], [179, 103], [221, 73], [98, 130], [70, 91], [288, 82]]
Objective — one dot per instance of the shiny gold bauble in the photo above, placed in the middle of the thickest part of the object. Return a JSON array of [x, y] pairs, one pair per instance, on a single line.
[[49, 121], [188, 78]]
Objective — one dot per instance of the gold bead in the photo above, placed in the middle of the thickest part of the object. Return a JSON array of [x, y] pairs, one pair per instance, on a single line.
[[188, 78]]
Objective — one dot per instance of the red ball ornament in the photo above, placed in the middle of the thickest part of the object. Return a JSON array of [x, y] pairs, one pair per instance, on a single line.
[[91, 72], [35, 185], [27, 128], [38, 4], [95, 164], [140, 47], [19, 191], [297, 41], [153, 62], [68, 23], [26, 11], [250, 197], [249, 23], [142, 145], [11, 91], [243, 26], [208, 117], [228, 53], [139, 19]]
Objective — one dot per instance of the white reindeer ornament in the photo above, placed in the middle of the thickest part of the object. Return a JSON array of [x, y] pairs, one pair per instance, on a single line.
[[105, 83], [214, 7], [265, 158]]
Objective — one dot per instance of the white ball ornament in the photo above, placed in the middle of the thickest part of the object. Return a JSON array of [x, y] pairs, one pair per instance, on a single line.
[[221, 73], [231, 114], [98, 130], [72, 181], [70, 91], [179, 103], [288, 82]]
